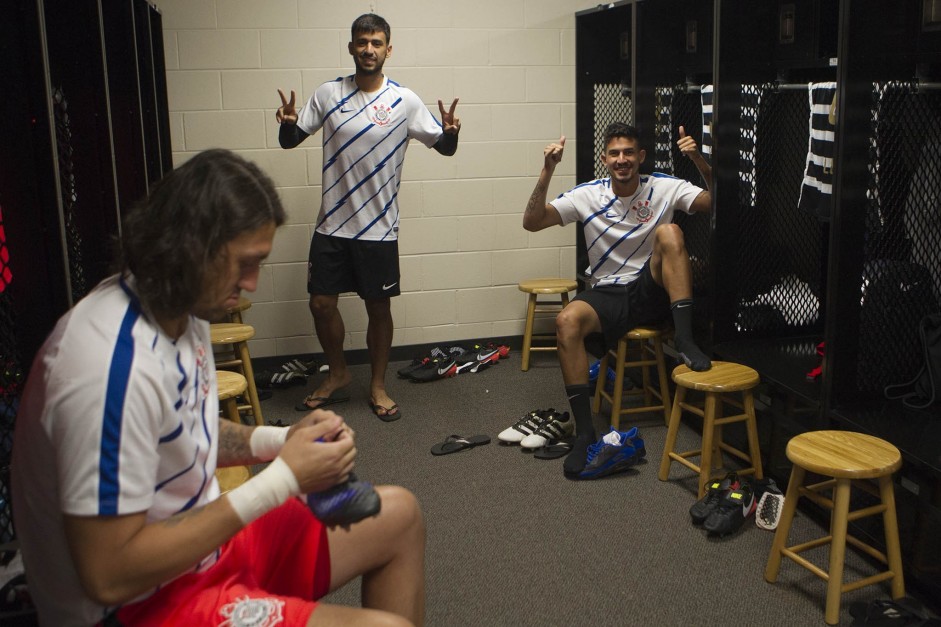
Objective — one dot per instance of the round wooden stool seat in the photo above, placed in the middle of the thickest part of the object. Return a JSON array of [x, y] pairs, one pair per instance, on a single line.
[[547, 286], [851, 460], [235, 313], [230, 342], [232, 477], [230, 332], [722, 377], [844, 454], [536, 288], [231, 384], [716, 383], [646, 353]]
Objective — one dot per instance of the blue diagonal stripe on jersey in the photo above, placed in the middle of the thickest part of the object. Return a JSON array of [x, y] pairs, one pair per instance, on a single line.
[[327, 139], [629, 255], [364, 155], [182, 384], [359, 184], [378, 217], [119, 373], [328, 161], [363, 206], [601, 211], [172, 435]]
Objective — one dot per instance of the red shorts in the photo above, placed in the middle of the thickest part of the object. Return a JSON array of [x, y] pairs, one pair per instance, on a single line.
[[269, 573]]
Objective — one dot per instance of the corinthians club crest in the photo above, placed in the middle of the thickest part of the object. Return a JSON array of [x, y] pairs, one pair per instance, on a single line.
[[381, 114], [641, 209]]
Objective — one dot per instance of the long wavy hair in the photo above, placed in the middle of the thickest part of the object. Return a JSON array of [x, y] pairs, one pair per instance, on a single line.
[[172, 240]]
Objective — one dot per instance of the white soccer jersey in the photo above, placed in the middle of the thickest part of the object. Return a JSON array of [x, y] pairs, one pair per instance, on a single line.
[[116, 418], [619, 231], [365, 136]]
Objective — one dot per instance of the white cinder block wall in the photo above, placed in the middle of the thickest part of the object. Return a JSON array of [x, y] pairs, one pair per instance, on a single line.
[[463, 248]]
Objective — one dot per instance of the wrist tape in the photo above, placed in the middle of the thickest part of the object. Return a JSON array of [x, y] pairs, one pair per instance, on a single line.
[[266, 442], [263, 492]]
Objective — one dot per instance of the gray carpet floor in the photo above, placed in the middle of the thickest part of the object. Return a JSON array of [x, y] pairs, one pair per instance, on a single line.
[[512, 542]]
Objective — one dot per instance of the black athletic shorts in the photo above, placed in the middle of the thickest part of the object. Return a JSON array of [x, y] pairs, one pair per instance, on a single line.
[[623, 307], [336, 265]]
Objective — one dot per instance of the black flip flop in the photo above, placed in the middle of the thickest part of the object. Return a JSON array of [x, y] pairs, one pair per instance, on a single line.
[[385, 414], [455, 443], [322, 401], [553, 451]]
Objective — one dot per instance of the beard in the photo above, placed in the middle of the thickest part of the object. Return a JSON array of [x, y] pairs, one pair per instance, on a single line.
[[367, 71]]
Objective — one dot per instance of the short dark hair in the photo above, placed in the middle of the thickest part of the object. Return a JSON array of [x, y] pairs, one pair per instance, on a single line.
[[370, 23], [619, 129], [171, 239]]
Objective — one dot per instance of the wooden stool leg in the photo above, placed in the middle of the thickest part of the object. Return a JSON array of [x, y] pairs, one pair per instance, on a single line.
[[751, 426], [784, 523], [890, 522], [600, 383], [230, 408], [717, 436], [663, 380], [672, 431], [618, 396], [250, 379], [528, 332], [708, 442], [841, 506]]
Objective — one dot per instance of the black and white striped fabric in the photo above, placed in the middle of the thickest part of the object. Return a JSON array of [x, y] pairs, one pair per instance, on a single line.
[[706, 93], [817, 187]]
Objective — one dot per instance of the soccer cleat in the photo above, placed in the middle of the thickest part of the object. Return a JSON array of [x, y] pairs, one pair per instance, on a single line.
[[434, 369], [717, 489], [732, 511], [556, 426], [346, 503], [525, 426], [477, 359], [612, 453], [445, 351], [770, 502]]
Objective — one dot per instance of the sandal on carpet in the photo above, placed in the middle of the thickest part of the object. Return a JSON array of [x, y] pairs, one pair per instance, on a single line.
[[455, 443], [385, 414], [553, 451], [337, 396]]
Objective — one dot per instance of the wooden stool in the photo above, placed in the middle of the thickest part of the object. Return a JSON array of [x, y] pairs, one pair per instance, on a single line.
[[232, 477], [849, 458], [234, 314], [233, 338], [721, 379], [649, 342], [536, 288], [231, 385]]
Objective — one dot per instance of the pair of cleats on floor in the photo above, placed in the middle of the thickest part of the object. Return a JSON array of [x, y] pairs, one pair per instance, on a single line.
[[730, 501], [545, 432], [615, 452]]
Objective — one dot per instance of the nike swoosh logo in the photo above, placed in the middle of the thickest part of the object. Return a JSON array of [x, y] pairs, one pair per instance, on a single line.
[[487, 354], [611, 214], [464, 367], [389, 287], [573, 396], [446, 368], [342, 110]]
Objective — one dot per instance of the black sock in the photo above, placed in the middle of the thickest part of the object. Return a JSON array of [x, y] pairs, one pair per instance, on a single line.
[[580, 401], [694, 358]]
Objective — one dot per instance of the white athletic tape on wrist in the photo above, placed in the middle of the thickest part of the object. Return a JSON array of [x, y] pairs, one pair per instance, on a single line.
[[266, 442], [263, 492]]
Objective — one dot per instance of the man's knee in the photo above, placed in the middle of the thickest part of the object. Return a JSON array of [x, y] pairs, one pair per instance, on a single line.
[[669, 239], [322, 305], [378, 307], [402, 509]]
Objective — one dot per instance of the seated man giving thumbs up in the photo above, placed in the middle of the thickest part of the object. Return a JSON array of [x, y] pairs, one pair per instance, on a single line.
[[639, 268]]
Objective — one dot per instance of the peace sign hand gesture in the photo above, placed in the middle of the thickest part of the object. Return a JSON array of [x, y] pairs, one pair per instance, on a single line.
[[286, 113], [449, 123]]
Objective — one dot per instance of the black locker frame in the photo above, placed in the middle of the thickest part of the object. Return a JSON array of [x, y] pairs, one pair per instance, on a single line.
[[86, 127], [774, 49]]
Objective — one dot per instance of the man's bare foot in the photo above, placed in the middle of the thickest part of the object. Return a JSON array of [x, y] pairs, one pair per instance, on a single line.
[[331, 391]]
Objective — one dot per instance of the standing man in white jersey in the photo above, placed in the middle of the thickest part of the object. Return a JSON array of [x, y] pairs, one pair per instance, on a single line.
[[640, 270], [118, 436], [367, 121]]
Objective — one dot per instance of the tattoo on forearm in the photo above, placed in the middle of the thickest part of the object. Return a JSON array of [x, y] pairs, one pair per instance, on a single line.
[[538, 198], [234, 446]]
